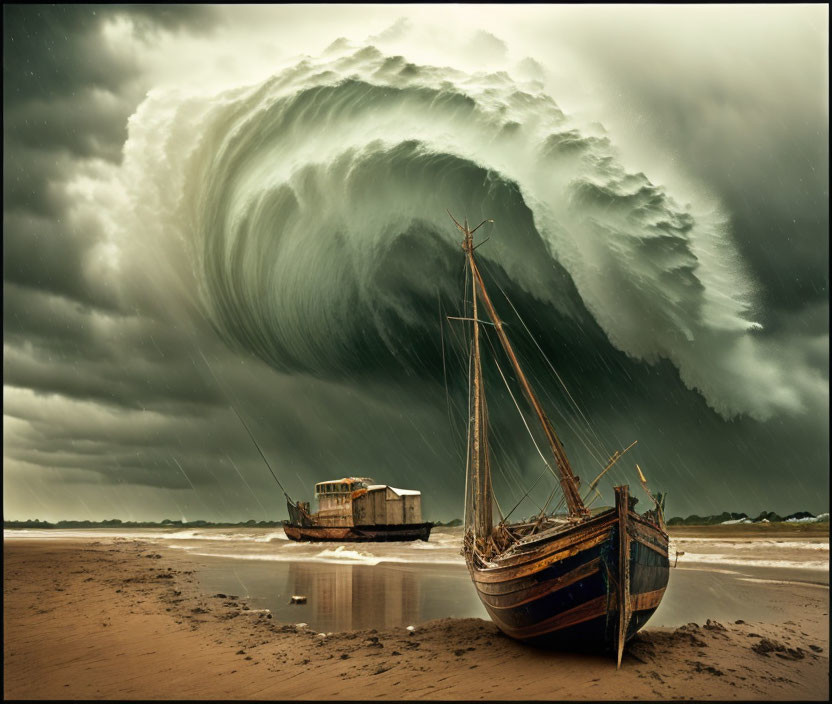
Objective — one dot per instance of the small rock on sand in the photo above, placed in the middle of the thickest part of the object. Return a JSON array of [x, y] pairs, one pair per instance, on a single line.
[[768, 645]]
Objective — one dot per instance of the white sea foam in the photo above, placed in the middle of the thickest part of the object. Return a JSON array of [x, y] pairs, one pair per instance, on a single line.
[[146, 533], [83, 533], [754, 543], [784, 581], [721, 559], [809, 519], [345, 557], [269, 537], [344, 554], [207, 534], [710, 569]]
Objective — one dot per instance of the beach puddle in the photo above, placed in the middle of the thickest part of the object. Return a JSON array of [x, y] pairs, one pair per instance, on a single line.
[[342, 597]]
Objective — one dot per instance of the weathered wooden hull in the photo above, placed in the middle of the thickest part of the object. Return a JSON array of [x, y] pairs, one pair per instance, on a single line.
[[358, 534], [563, 590]]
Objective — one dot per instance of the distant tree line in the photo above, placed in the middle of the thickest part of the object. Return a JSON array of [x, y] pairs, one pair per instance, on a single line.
[[116, 523], [692, 520], [166, 523], [764, 517]]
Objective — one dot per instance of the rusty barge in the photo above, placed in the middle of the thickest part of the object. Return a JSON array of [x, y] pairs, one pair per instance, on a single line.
[[582, 579], [355, 509]]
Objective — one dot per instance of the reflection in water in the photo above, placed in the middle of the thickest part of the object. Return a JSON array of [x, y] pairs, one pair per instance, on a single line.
[[346, 597]]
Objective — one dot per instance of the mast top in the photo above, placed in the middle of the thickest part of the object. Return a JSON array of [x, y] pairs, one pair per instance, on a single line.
[[468, 241]]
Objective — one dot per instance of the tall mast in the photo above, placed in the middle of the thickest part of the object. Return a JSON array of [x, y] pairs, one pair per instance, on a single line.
[[481, 469], [568, 481]]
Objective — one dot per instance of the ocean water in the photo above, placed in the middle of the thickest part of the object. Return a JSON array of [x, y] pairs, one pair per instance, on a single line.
[[382, 585], [443, 548], [789, 553]]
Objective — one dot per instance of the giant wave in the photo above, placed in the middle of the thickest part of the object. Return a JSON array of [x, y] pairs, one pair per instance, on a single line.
[[314, 207]]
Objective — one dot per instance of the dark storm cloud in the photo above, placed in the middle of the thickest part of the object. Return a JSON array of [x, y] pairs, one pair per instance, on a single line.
[[65, 88], [48, 254], [67, 94], [304, 426], [57, 346], [57, 49]]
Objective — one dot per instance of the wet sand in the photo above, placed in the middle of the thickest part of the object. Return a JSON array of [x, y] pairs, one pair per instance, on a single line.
[[125, 619]]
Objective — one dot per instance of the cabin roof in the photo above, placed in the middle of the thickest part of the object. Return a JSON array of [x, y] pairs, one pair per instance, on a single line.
[[399, 492], [346, 480]]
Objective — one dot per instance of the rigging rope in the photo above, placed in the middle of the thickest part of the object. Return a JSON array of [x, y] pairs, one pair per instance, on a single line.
[[261, 453], [545, 506], [522, 498], [551, 366], [597, 451], [207, 364], [444, 368], [522, 417], [513, 475]]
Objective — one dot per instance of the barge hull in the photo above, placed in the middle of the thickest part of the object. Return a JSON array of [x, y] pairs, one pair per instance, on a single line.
[[358, 534]]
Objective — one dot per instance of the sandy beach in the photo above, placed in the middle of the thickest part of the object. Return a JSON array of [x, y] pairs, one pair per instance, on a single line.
[[118, 618]]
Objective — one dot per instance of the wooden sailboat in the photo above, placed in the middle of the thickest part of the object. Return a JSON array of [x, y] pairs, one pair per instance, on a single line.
[[584, 580]]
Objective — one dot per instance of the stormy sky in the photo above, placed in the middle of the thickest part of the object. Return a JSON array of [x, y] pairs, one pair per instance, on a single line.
[[216, 205]]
